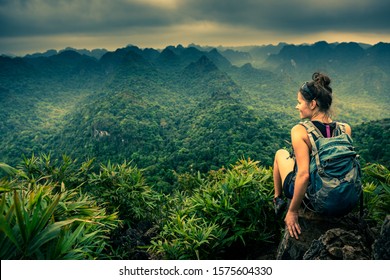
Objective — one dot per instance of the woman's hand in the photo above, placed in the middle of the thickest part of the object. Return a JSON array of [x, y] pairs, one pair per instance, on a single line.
[[292, 224]]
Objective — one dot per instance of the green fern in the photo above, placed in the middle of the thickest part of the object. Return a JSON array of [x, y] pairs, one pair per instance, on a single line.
[[376, 192]]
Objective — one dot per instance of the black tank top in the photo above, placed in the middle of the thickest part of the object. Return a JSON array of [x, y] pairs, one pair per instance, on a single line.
[[325, 128]]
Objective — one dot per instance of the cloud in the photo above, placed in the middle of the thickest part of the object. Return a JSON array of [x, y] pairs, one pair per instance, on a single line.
[[158, 22], [38, 17], [298, 16]]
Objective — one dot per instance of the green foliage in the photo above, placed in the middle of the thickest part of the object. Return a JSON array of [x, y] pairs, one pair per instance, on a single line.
[[39, 222], [187, 182], [372, 140], [188, 238], [376, 192], [229, 206], [46, 169], [123, 187]]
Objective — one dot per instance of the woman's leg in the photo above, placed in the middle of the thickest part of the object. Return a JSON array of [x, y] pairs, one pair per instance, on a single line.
[[283, 165]]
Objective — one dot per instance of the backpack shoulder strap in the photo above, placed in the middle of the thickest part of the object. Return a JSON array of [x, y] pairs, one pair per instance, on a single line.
[[313, 130]]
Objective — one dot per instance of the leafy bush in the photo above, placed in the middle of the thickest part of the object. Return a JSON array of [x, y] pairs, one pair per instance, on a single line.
[[122, 187], [47, 169], [40, 221], [231, 205], [185, 237], [376, 192]]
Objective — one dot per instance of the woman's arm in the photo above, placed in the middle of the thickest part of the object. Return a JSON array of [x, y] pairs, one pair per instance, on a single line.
[[348, 129], [300, 144]]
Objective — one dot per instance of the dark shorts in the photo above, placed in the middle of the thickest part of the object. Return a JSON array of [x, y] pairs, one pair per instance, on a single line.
[[288, 184]]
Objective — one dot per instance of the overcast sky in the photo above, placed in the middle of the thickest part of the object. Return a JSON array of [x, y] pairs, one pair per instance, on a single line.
[[28, 26]]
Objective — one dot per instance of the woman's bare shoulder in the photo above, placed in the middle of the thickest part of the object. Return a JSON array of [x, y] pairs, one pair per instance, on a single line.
[[298, 129], [299, 135], [348, 129]]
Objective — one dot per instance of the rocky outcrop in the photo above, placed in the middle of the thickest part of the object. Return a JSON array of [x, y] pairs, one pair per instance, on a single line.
[[338, 244], [324, 238], [381, 246]]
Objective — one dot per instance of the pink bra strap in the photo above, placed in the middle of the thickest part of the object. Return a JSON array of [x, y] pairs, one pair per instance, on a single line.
[[328, 131]]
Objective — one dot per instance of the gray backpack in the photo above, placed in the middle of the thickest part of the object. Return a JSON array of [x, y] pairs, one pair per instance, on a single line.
[[335, 175]]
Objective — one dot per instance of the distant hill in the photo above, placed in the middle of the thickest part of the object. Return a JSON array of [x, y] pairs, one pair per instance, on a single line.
[[239, 56], [332, 55], [96, 53]]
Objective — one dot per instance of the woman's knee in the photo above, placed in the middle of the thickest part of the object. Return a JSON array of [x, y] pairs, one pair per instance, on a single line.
[[281, 154], [284, 163]]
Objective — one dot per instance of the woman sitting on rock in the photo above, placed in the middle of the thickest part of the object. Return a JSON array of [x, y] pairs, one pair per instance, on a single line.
[[291, 172]]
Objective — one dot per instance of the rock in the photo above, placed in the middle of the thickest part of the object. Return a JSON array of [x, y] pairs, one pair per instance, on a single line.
[[322, 237], [381, 246], [338, 244]]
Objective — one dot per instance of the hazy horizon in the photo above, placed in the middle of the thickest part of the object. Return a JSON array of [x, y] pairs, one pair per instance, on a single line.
[[43, 50]]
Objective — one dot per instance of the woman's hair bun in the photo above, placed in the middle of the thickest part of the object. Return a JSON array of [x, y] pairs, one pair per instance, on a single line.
[[322, 80]]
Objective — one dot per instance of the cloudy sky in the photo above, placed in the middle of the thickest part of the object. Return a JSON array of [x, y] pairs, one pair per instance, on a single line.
[[28, 26]]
